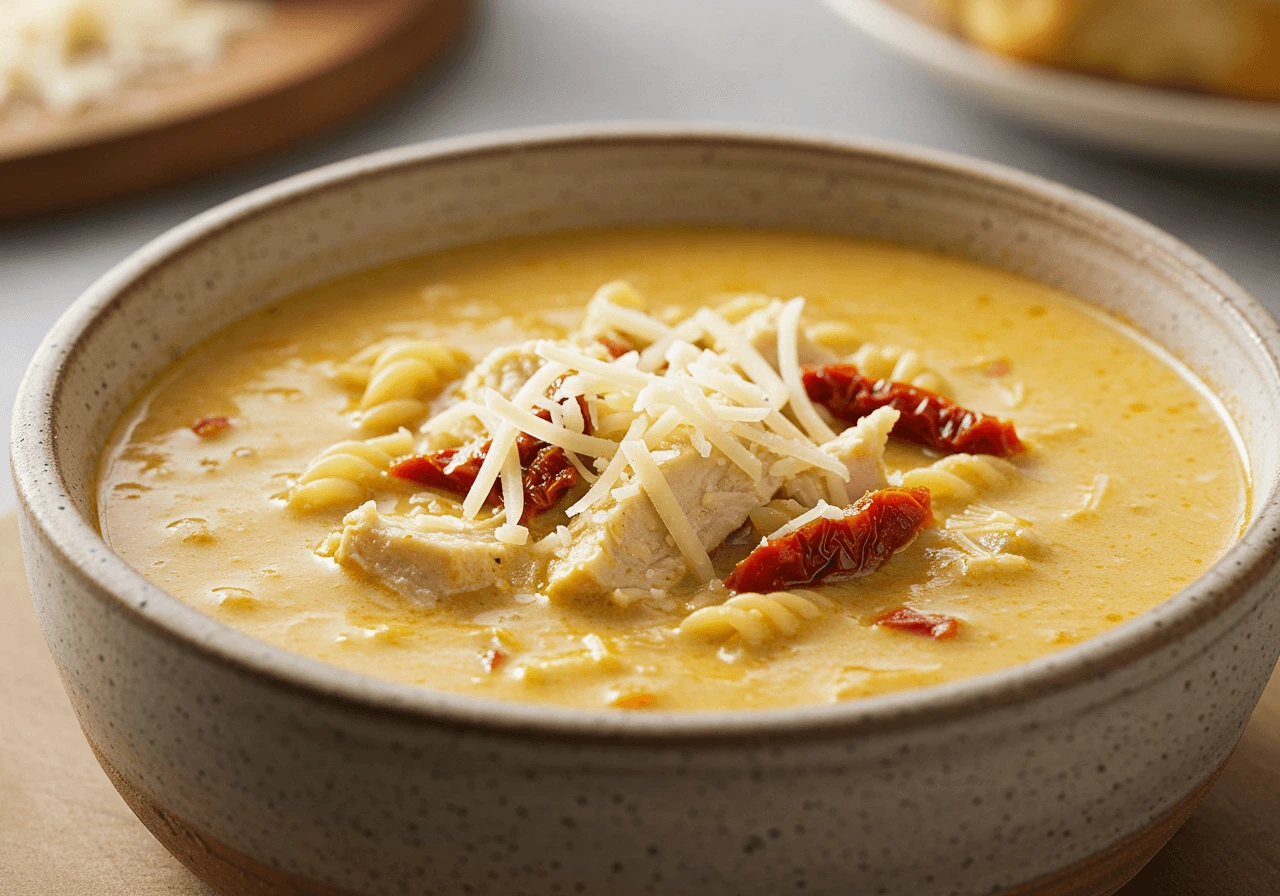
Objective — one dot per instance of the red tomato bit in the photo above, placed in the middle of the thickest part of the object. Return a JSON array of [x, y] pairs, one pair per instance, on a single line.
[[935, 625], [927, 418], [548, 473], [210, 427], [615, 344], [548, 476], [450, 470], [492, 658], [871, 531]]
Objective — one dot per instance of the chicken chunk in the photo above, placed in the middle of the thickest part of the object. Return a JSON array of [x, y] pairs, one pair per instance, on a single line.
[[861, 449], [505, 370], [624, 543], [424, 558]]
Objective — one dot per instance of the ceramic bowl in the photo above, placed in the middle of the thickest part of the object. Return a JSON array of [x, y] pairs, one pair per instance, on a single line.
[[270, 773], [1172, 125]]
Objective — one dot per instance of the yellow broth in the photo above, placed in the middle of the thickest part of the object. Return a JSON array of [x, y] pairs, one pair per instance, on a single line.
[[1133, 478]]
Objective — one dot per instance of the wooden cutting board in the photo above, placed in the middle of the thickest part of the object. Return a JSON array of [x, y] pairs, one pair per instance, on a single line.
[[65, 832], [317, 63]]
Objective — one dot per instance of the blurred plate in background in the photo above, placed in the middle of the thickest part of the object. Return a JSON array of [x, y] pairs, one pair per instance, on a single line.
[[317, 63], [1169, 124]]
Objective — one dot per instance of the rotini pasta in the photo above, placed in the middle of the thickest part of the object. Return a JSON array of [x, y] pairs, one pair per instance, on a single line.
[[773, 516], [837, 335], [887, 362], [617, 316], [342, 474], [901, 365], [397, 379], [739, 308], [756, 618], [961, 477], [620, 293]]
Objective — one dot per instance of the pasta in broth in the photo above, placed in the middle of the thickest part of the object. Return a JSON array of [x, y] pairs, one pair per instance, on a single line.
[[674, 469]]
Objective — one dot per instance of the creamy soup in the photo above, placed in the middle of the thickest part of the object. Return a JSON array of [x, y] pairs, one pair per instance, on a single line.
[[674, 469]]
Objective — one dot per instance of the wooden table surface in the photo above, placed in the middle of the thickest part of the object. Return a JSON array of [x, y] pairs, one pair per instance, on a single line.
[[64, 831]]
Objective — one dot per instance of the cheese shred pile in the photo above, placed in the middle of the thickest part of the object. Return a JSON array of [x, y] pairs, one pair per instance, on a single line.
[[700, 374], [65, 55]]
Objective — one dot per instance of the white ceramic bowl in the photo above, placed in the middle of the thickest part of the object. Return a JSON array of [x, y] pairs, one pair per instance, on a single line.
[[1166, 124], [267, 772]]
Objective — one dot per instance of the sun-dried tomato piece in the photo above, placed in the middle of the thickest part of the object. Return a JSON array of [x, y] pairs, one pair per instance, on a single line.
[[492, 658], [548, 476], [210, 427], [935, 625], [547, 472], [450, 469], [872, 530], [927, 418], [616, 344]]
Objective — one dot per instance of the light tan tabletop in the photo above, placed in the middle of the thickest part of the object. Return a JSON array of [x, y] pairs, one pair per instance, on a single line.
[[65, 832]]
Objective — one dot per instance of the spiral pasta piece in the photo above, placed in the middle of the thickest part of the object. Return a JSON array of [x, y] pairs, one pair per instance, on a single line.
[[396, 380], [961, 477], [901, 365], [881, 362], [343, 474], [755, 617], [739, 308], [622, 294]]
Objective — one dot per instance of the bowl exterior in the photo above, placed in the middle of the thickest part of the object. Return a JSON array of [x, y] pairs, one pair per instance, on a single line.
[[262, 790], [269, 773]]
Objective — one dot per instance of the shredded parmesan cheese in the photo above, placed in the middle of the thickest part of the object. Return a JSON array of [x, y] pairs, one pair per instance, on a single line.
[[708, 427], [612, 473], [729, 399], [728, 384], [503, 443], [745, 355], [512, 500], [789, 367], [804, 451], [667, 421], [578, 465], [610, 373], [631, 322], [655, 355], [547, 431]]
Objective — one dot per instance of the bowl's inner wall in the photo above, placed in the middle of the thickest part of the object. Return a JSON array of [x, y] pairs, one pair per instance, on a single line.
[[420, 206]]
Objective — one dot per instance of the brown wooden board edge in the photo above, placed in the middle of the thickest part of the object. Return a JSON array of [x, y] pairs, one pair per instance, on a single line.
[[92, 173]]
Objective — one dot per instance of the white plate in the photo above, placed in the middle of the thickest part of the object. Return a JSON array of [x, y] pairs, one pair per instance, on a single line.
[[1169, 124]]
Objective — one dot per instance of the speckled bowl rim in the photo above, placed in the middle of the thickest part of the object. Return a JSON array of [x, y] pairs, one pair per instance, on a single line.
[[82, 552]]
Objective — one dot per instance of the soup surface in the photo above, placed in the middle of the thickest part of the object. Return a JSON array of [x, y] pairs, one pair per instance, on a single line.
[[332, 474]]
